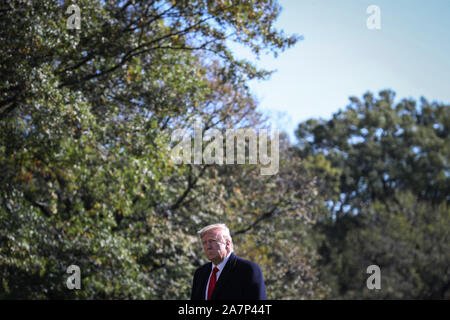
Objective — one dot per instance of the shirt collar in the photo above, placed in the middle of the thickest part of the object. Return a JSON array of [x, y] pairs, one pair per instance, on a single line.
[[221, 265]]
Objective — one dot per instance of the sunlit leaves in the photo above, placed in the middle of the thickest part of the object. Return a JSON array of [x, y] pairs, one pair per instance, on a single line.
[[85, 121], [383, 173]]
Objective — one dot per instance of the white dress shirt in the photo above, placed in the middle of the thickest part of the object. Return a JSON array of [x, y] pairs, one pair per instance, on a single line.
[[220, 266]]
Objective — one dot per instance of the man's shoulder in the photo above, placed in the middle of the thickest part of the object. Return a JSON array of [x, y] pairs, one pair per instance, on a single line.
[[246, 264], [204, 267]]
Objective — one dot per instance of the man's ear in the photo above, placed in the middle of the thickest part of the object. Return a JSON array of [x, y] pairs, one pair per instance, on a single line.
[[228, 245]]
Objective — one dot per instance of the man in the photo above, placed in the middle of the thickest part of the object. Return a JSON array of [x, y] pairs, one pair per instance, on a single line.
[[226, 277]]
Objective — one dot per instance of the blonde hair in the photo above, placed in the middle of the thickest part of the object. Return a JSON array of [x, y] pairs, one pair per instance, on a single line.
[[225, 232]]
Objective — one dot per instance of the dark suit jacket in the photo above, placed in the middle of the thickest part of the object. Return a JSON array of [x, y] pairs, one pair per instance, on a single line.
[[239, 280]]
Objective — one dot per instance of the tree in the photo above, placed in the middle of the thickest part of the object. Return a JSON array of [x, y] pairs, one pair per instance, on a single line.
[[368, 159], [85, 123], [408, 239], [380, 148]]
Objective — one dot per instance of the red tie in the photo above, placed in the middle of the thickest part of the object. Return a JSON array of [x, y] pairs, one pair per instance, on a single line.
[[212, 282]]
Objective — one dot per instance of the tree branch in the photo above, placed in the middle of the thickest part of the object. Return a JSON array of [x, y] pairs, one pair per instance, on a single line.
[[264, 216], [191, 185]]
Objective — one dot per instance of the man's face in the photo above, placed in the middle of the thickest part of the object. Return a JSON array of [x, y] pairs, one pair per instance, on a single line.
[[214, 245]]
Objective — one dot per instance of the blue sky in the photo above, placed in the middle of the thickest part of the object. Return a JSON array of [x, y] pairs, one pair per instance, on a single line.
[[340, 57]]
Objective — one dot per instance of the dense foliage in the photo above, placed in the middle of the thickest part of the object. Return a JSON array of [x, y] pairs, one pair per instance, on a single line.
[[87, 179], [86, 117], [384, 179]]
